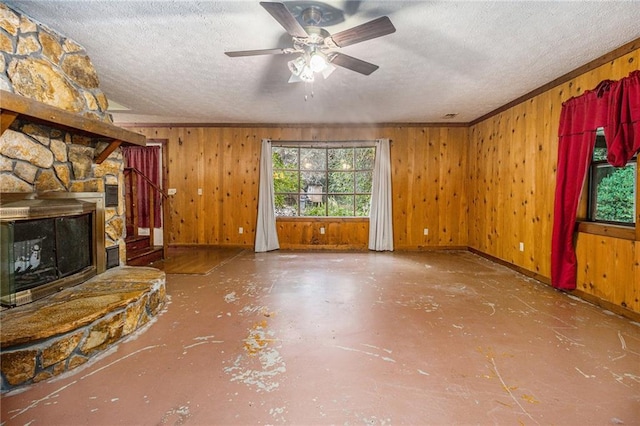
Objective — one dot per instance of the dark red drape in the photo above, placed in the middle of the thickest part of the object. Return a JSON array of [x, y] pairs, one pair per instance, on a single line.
[[615, 106], [623, 139], [146, 160]]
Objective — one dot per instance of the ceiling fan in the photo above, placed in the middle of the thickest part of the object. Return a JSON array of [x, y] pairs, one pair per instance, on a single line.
[[315, 47]]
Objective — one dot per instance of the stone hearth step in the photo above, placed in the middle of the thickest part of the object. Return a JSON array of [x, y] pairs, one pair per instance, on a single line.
[[55, 334]]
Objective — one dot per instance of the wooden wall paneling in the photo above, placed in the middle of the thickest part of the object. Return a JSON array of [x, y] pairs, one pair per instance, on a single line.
[[231, 187], [492, 166], [199, 136], [191, 211], [213, 191], [545, 146], [455, 185], [250, 168], [446, 213], [340, 234], [400, 182], [476, 191], [612, 281], [418, 215], [634, 294], [472, 186], [519, 195], [432, 180]]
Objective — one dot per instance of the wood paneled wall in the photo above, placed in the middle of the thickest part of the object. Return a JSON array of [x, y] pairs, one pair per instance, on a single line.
[[428, 178], [512, 172], [489, 187]]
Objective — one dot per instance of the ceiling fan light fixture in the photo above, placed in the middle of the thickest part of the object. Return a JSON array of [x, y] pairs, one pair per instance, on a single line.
[[297, 65], [306, 74], [317, 62]]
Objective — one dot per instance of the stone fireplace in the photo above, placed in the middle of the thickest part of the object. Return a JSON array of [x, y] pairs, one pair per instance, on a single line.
[[35, 157], [59, 152]]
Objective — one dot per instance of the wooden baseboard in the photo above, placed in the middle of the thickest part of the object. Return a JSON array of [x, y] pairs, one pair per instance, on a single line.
[[604, 304]]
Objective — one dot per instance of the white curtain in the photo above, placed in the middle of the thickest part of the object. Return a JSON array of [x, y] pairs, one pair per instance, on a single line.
[[380, 216], [266, 234]]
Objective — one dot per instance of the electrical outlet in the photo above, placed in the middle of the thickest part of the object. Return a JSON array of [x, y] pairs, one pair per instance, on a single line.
[[172, 191], [199, 191], [426, 231], [241, 230], [521, 246], [322, 230]]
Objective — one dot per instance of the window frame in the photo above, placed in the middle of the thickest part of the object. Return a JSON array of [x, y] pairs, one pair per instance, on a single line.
[[327, 146], [588, 225]]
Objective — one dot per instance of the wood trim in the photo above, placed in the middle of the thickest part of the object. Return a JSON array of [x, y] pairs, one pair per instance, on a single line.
[[607, 230], [107, 151], [294, 125], [620, 51], [509, 265], [619, 310], [6, 119], [604, 304], [11, 103], [410, 248]]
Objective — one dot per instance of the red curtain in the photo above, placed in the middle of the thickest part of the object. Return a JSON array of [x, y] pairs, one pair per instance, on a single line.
[[615, 106], [146, 160], [623, 140]]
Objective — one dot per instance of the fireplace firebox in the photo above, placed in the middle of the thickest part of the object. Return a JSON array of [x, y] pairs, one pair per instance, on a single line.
[[48, 241]]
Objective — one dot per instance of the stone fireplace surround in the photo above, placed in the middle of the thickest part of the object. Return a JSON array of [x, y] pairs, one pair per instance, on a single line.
[[58, 333]]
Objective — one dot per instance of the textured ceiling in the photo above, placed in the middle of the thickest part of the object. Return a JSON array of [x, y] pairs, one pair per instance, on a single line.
[[165, 60]]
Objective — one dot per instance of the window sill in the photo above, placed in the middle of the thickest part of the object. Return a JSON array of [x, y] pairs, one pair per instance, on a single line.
[[607, 230]]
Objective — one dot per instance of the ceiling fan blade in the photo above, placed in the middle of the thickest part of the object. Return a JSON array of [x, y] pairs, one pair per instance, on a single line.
[[372, 29], [354, 64], [282, 51], [281, 14]]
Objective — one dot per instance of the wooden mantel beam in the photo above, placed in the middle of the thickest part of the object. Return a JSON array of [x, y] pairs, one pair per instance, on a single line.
[[13, 106]]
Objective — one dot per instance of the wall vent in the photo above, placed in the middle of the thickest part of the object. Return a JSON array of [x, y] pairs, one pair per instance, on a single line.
[[113, 257], [111, 195]]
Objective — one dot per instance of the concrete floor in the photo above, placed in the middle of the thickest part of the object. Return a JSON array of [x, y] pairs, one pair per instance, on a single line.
[[356, 338]]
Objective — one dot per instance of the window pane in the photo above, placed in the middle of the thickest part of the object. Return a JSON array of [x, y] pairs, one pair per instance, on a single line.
[[313, 182], [313, 209], [341, 182], [341, 205], [615, 193], [285, 158], [600, 148], [286, 205], [284, 181], [341, 159], [363, 181], [364, 158], [313, 159], [599, 153], [363, 205]]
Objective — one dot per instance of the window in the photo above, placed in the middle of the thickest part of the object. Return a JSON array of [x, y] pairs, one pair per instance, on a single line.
[[612, 190], [322, 180]]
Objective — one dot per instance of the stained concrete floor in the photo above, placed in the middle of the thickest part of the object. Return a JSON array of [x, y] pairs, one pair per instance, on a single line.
[[356, 338]]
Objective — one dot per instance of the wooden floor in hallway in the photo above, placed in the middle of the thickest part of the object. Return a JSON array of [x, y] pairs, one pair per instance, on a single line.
[[314, 338]]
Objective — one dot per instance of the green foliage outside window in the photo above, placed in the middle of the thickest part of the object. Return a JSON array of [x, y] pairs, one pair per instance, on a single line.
[[616, 196], [612, 190]]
